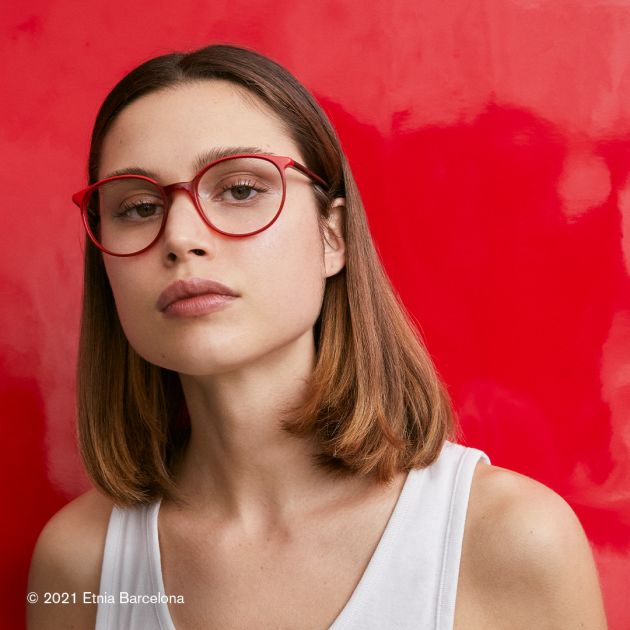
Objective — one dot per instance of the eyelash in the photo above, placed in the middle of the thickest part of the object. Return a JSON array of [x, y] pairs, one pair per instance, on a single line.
[[248, 184]]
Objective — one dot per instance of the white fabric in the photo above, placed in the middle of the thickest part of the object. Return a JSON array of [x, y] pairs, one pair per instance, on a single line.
[[410, 582]]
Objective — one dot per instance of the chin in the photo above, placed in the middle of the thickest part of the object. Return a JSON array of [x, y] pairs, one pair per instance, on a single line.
[[216, 352], [193, 364]]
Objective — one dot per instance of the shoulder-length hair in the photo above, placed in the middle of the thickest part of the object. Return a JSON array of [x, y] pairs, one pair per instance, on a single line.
[[374, 405]]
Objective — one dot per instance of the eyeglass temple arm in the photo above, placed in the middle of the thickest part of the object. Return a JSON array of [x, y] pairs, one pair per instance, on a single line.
[[310, 174], [77, 198]]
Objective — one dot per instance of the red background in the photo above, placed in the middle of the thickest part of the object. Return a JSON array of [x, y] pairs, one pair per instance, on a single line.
[[491, 143]]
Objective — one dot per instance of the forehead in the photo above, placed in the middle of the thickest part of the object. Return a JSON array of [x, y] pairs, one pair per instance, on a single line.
[[165, 131]]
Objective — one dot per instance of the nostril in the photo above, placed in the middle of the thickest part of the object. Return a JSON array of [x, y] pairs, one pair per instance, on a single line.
[[172, 256]]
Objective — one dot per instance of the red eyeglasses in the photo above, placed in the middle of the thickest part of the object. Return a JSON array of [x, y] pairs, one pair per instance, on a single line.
[[238, 195]]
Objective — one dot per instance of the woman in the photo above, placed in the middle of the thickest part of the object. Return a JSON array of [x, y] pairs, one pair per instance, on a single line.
[[270, 444]]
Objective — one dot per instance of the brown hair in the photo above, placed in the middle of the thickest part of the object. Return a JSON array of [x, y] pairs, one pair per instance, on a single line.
[[375, 404]]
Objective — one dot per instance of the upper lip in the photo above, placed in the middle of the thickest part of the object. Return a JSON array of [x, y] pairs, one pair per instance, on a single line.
[[191, 287]]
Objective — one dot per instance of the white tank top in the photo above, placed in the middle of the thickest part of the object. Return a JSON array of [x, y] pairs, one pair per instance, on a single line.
[[410, 582]]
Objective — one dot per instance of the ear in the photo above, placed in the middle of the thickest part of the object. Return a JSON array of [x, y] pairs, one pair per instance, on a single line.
[[334, 242]]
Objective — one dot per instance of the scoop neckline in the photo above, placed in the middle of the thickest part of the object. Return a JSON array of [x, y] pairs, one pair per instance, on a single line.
[[392, 527]]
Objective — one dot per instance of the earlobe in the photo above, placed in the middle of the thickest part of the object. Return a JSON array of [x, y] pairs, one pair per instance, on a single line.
[[334, 237]]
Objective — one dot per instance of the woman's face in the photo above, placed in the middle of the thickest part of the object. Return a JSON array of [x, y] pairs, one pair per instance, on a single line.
[[279, 274]]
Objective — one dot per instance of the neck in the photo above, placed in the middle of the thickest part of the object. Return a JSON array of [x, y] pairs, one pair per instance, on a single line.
[[240, 465]]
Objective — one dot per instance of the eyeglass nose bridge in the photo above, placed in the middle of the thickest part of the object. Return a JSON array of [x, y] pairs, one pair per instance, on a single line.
[[188, 187]]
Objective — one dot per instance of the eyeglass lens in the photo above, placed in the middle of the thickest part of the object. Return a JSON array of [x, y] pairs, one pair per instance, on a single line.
[[237, 196]]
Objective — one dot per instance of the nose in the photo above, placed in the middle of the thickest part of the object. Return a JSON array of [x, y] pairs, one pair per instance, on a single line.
[[185, 234]]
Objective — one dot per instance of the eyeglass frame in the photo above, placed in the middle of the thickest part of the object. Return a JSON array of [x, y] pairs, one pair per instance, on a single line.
[[281, 162]]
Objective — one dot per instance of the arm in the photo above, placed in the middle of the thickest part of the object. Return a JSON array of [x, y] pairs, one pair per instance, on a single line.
[[530, 563]]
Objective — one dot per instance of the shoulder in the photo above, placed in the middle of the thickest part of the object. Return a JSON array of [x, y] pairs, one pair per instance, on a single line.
[[525, 556], [74, 537], [67, 559]]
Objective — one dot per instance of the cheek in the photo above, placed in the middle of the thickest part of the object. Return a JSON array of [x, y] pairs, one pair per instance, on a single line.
[[133, 307], [289, 275]]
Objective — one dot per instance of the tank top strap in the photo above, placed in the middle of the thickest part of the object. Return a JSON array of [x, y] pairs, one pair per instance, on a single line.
[[128, 571], [463, 461]]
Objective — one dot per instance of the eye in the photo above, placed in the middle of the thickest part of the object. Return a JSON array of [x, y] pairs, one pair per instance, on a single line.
[[139, 210], [243, 190]]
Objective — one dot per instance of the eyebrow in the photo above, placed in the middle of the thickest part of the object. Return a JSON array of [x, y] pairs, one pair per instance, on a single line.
[[216, 153]]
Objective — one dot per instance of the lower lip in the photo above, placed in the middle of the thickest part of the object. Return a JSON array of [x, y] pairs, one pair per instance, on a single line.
[[198, 305]]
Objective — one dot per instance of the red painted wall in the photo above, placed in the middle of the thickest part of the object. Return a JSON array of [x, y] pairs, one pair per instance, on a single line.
[[491, 142]]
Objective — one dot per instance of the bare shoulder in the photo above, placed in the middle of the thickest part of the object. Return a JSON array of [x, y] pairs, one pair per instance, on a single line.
[[526, 561], [67, 559]]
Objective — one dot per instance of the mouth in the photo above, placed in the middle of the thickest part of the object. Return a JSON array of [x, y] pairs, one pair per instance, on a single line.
[[194, 296]]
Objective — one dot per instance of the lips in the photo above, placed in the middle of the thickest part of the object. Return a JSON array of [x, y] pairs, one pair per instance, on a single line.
[[190, 288]]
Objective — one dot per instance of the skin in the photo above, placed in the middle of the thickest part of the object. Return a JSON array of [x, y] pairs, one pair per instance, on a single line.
[[255, 504]]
